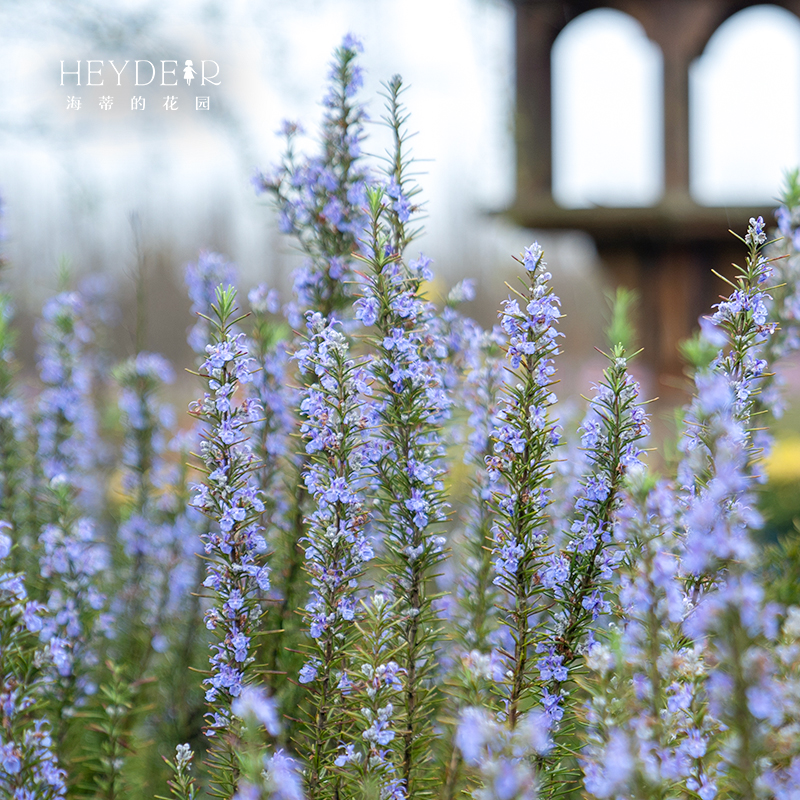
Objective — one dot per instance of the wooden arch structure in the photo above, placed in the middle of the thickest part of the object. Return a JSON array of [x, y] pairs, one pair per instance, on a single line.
[[665, 251]]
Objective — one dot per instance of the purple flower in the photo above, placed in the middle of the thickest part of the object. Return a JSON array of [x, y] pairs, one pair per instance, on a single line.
[[254, 702], [283, 777], [231, 499], [308, 673], [421, 267], [533, 257]]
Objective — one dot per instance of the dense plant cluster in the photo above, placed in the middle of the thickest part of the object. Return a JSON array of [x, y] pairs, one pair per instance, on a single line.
[[373, 561]]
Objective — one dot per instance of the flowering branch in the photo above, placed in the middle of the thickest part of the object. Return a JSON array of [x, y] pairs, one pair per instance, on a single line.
[[521, 466], [410, 405], [337, 548], [233, 547]]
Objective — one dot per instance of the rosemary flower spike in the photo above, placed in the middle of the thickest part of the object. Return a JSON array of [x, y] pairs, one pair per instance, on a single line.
[[234, 546]]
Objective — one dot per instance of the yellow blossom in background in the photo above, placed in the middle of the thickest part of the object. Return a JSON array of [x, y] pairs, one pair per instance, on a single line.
[[783, 463]]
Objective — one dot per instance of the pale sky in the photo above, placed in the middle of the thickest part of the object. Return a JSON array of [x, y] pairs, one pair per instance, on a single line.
[[79, 174]]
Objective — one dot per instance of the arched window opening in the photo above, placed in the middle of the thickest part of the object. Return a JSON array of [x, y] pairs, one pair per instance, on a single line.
[[744, 120], [607, 113]]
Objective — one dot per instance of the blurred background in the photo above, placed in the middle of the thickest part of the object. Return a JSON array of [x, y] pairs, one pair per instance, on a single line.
[[579, 145]]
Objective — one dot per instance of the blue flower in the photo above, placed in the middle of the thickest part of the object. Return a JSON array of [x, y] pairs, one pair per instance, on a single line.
[[308, 672]]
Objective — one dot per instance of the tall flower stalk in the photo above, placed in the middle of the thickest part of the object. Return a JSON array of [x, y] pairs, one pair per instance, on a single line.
[[729, 609], [234, 546], [581, 577], [521, 466], [66, 424], [71, 554], [337, 548], [515, 438], [146, 534], [321, 199], [410, 406]]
